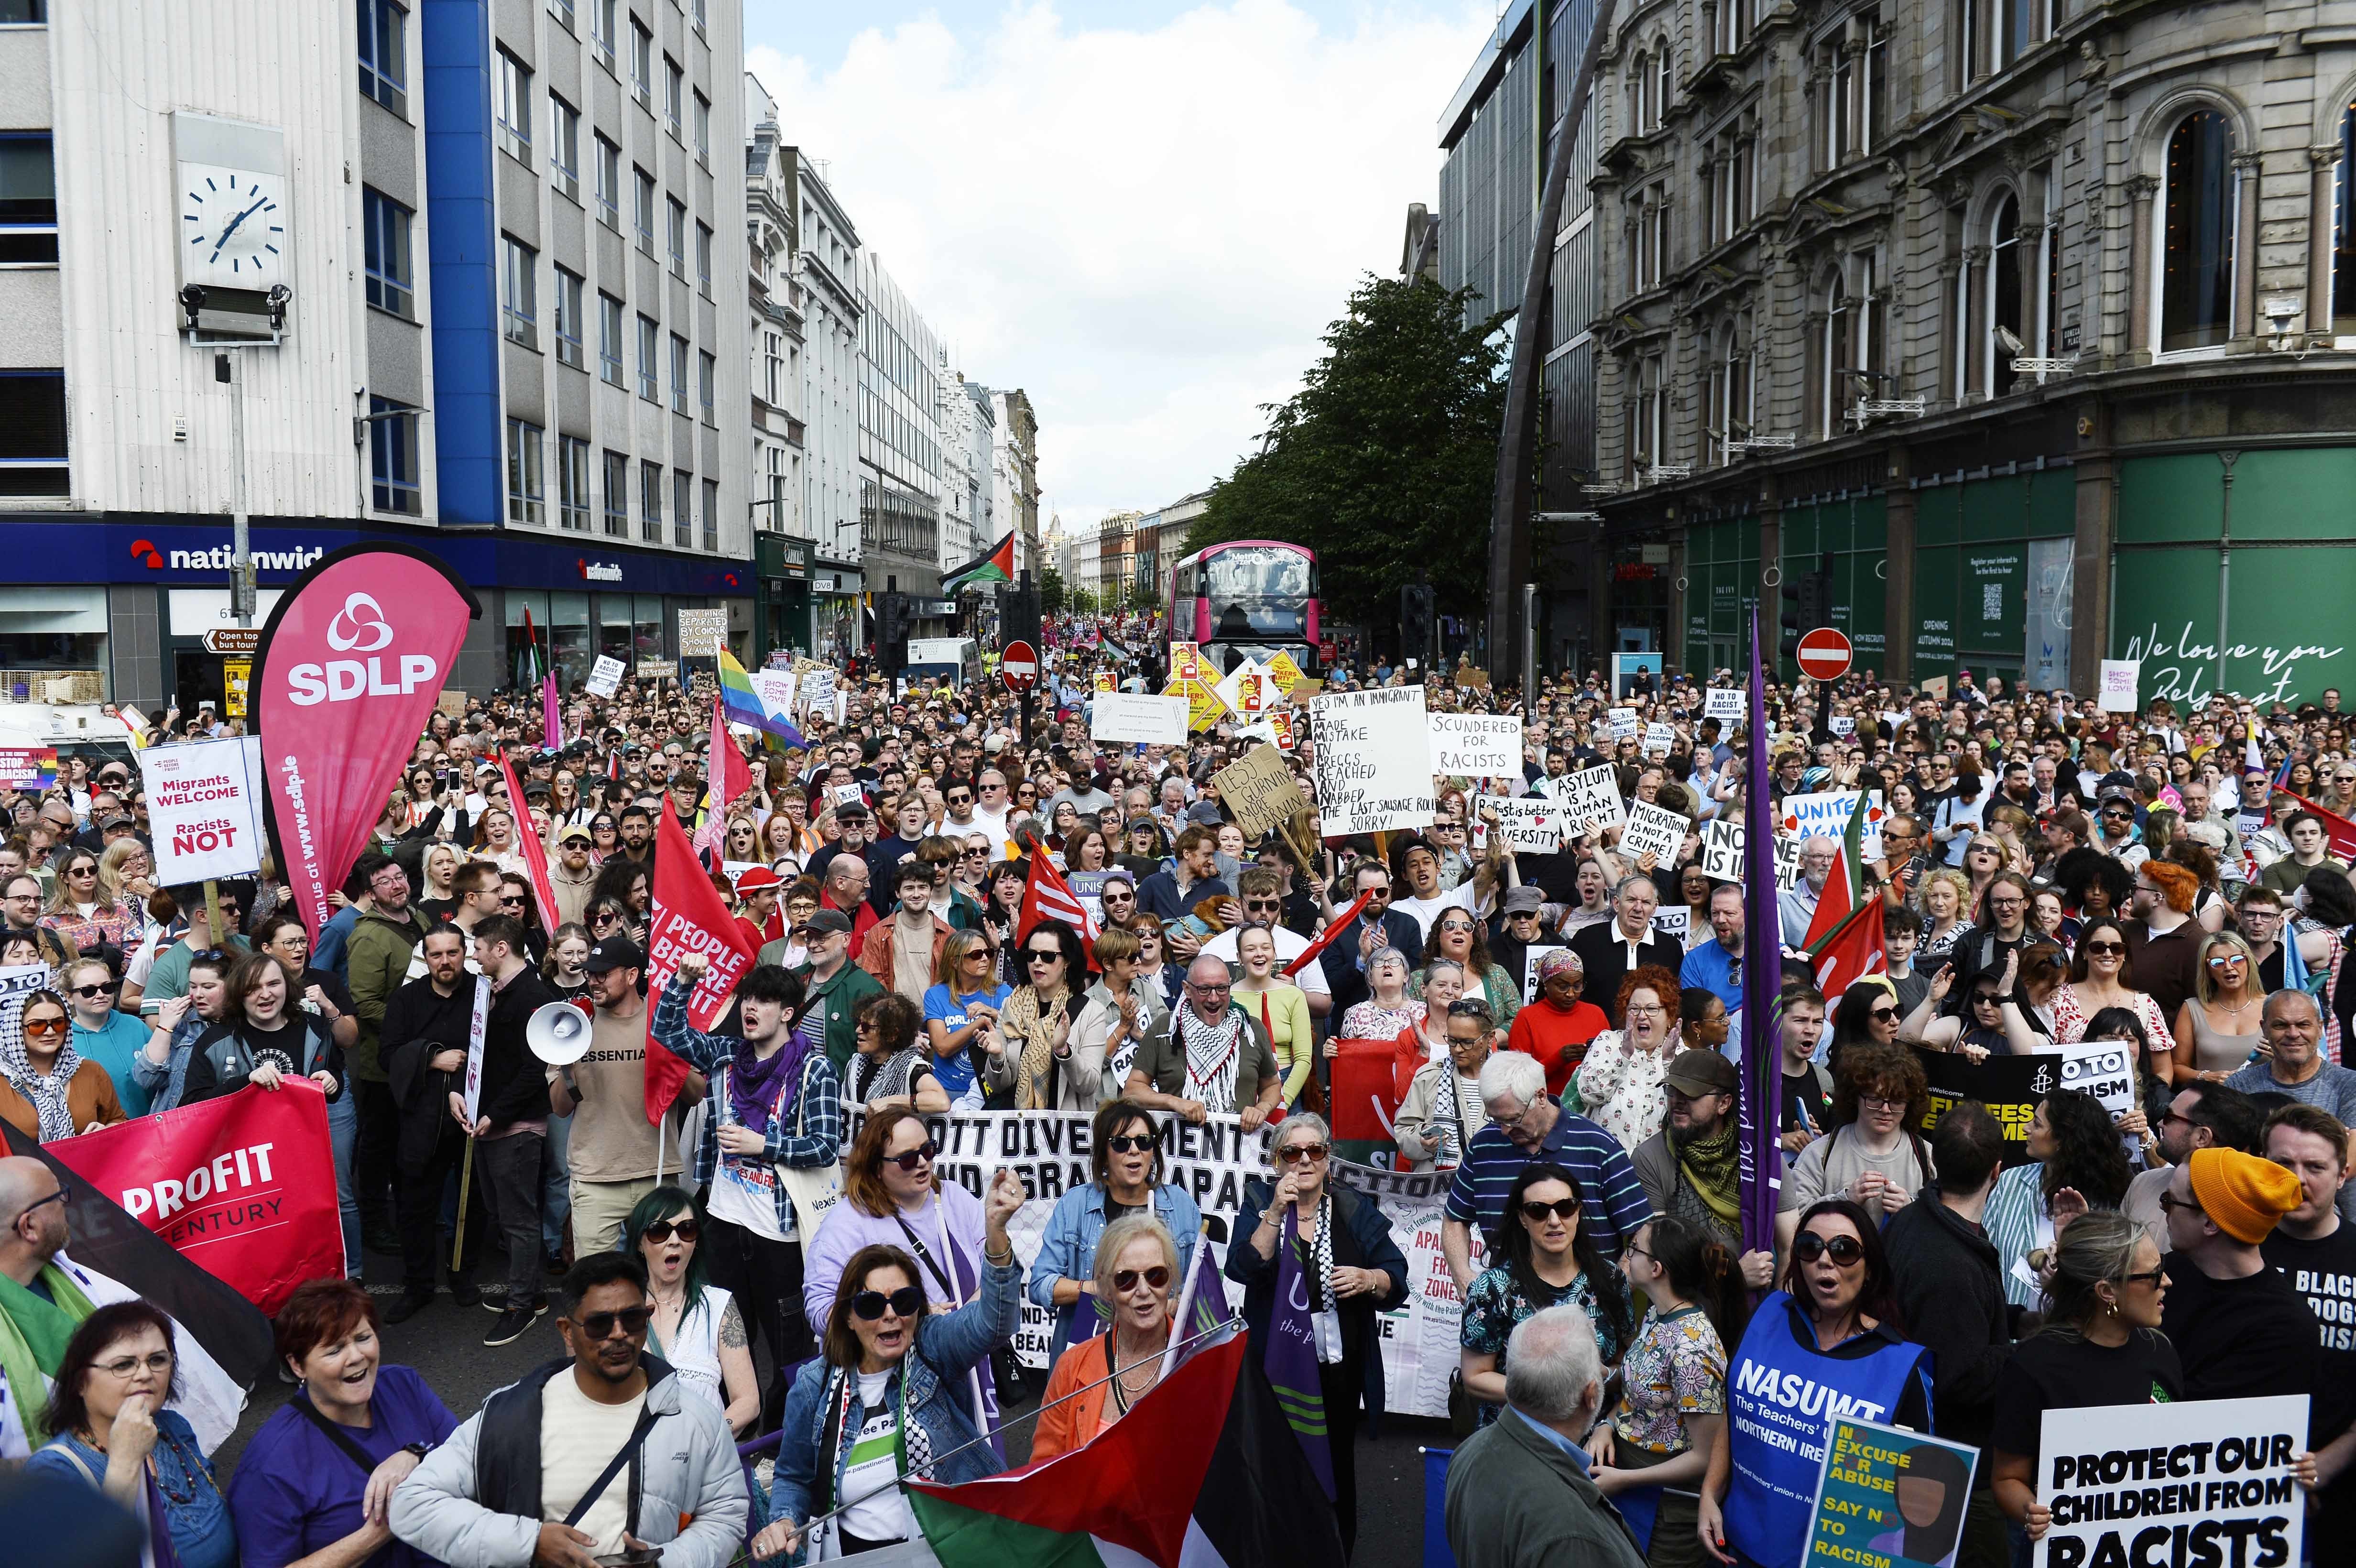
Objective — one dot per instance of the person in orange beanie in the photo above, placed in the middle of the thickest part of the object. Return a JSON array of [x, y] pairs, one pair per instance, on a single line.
[[2239, 1328]]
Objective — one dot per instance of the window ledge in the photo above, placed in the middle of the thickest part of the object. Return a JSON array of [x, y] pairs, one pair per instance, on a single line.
[[405, 319]]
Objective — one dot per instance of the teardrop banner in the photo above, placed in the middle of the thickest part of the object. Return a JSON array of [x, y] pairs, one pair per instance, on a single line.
[[345, 681]]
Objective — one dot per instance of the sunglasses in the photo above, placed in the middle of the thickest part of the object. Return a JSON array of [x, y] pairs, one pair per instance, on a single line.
[[1302, 1154], [2222, 961], [904, 1302], [1042, 956], [1125, 1280], [664, 1230], [45, 1027], [1133, 1143], [2098, 949], [1845, 1251], [108, 989], [908, 1159], [632, 1319], [1561, 1209], [1882, 1015]]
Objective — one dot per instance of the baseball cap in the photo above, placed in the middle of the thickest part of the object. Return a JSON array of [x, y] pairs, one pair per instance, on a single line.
[[1692, 1072], [614, 953], [828, 921], [760, 878], [567, 834]]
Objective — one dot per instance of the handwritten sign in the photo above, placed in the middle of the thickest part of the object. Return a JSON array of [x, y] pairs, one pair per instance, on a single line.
[[1535, 825], [1260, 791], [1531, 958], [817, 686], [1654, 830], [1591, 796], [1724, 703], [2118, 686], [775, 689], [1476, 745], [1374, 759], [1841, 724], [1721, 851]]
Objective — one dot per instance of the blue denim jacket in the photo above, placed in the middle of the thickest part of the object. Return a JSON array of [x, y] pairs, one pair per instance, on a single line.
[[1069, 1250], [934, 1370]]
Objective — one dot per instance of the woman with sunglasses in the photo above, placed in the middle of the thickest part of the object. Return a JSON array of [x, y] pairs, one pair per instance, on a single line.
[[887, 1067], [1125, 1176], [46, 1090], [82, 914], [604, 837], [2100, 1345], [1834, 1327], [1123, 1007], [959, 1008], [1872, 1157], [1027, 1048], [1457, 936], [2219, 1022], [1350, 1273], [696, 1327], [1097, 1381], [2100, 976], [516, 897], [859, 1417], [1547, 1259]]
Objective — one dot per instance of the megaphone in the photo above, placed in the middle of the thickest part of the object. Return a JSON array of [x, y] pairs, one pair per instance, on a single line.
[[558, 1033]]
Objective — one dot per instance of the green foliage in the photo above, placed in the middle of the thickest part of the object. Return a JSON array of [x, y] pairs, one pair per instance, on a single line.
[[1385, 462], [1144, 593], [1054, 598]]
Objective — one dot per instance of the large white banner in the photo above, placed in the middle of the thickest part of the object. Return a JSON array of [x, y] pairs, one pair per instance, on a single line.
[[204, 809], [1374, 759], [1127, 717]]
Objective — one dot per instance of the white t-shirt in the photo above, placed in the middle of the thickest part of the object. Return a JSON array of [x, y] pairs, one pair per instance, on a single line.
[[1289, 946], [744, 1186], [876, 1510], [578, 1438], [1426, 911]]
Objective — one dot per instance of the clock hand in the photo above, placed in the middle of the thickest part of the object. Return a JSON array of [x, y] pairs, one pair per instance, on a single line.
[[234, 223]]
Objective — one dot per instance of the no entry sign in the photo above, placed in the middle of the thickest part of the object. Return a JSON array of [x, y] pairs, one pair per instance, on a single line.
[[1824, 655], [1019, 666]]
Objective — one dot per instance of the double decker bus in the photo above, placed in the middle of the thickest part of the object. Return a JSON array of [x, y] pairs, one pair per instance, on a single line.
[[1247, 598]]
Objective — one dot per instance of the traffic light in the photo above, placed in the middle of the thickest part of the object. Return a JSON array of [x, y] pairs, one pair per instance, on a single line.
[[1415, 622], [1807, 604], [1795, 616], [1017, 619]]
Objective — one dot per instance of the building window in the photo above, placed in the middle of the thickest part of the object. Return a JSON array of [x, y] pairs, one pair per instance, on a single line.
[[1733, 25], [609, 185], [712, 516], [2003, 295], [384, 54], [2343, 230], [617, 495], [650, 368], [35, 12], [562, 11], [773, 364], [1664, 81], [384, 225], [573, 483], [392, 458], [702, 8], [519, 294], [1876, 85], [706, 369], [703, 255], [29, 202], [2196, 249], [601, 30], [683, 509], [642, 65], [565, 147], [674, 96], [515, 109], [609, 340], [569, 351], [645, 209], [703, 130], [650, 489], [678, 374], [1838, 358], [524, 493], [1643, 432], [678, 237]]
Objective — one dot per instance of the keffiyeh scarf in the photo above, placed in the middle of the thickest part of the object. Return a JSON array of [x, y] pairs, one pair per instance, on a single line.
[[1321, 1253], [1212, 1053], [46, 1094]]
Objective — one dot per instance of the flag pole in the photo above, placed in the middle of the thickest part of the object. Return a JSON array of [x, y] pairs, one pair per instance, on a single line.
[[465, 1182]]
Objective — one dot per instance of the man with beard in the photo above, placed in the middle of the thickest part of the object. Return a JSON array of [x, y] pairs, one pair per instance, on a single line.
[[636, 826], [423, 1050], [1688, 1168]]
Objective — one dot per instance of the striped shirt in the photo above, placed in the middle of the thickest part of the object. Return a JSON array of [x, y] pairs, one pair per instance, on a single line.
[[1611, 1199]]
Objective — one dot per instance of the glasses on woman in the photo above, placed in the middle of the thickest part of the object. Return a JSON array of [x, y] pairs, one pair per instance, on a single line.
[[42, 1029], [1042, 956], [908, 1159], [1536, 1212], [2104, 949], [1879, 1102], [1125, 1280], [664, 1230], [1302, 1154], [1883, 1015], [602, 918], [1133, 1143], [124, 1367], [904, 1302], [1846, 1252], [2221, 961]]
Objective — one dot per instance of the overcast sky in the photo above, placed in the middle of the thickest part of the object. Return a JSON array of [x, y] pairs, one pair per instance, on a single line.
[[1143, 212]]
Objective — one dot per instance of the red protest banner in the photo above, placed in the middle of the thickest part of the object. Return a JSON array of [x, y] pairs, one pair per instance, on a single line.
[[1365, 1091], [244, 1187], [687, 917]]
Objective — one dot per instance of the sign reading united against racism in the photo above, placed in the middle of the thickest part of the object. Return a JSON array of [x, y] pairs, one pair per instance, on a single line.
[[1476, 745], [203, 806], [1374, 759], [1825, 815], [2199, 1482]]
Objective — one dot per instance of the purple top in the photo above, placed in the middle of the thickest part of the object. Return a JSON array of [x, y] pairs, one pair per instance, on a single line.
[[296, 1491]]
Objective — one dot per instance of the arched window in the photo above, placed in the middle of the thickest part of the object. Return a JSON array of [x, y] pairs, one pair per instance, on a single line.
[[2003, 294], [1839, 360], [2343, 228], [1639, 76], [1664, 81], [2196, 247]]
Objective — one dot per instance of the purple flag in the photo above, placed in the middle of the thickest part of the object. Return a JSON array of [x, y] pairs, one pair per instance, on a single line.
[[1291, 1356], [1761, 1151], [551, 722]]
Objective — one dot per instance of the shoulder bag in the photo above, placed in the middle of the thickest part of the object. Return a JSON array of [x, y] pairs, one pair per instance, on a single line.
[[813, 1189]]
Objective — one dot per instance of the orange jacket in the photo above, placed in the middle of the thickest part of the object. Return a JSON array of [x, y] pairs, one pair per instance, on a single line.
[[878, 952], [1066, 1424]]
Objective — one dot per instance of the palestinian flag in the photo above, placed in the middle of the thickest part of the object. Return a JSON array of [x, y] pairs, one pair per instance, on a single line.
[[1844, 940], [996, 566], [1201, 1473]]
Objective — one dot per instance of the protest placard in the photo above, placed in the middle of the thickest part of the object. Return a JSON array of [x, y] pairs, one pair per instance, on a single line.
[[1724, 703], [205, 805], [775, 689], [1787, 862], [2118, 685], [1374, 759], [1659, 739], [1130, 716], [1476, 745], [604, 676], [450, 702], [1259, 789], [1185, 661], [1653, 830], [1826, 816], [1249, 690], [1889, 1496], [1675, 920], [1592, 796], [1284, 671], [1622, 723], [1531, 824], [28, 767], [1841, 724], [702, 633], [1721, 851], [2012, 1087], [1531, 958], [817, 687], [2199, 1481]]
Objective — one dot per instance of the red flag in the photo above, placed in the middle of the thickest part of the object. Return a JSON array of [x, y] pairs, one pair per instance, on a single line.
[[535, 853], [1325, 938], [726, 774], [1046, 896], [1851, 949], [2336, 827], [688, 916]]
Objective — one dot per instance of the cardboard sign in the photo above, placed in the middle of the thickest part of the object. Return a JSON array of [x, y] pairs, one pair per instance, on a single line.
[[604, 676], [1934, 687], [1591, 796], [1889, 1496], [2218, 1470], [450, 703], [702, 632], [1653, 830], [818, 687], [1675, 920], [1623, 723], [1825, 815], [1374, 759], [1260, 790], [655, 670], [1531, 958], [1136, 718], [2117, 692], [1532, 825], [1476, 745], [1727, 704], [1787, 862], [205, 806], [1721, 851], [28, 767]]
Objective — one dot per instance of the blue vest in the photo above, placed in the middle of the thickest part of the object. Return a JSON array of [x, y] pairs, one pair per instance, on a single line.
[[1781, 1397]]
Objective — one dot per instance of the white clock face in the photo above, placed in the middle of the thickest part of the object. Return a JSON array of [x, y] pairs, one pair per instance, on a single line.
[[234, 224]]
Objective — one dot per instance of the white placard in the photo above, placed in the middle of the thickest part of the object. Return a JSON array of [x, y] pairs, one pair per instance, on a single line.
[[1787, 862], [702, 633], [1591, 794], [1530, 823], [1721, 851], [1660, 738], [775, 689], [1826, 816], [818, 689], [477, 1032], [1374, 759], [1622, 722], [1654, 830], [203, 806], [1531, 958], [2104, 1070], [1131, 716], [2118, 687], [605, 676], [2125, 1477], [1726, 703], [1249, 690], [1675, 920], [1841, 724], [1476, 745]]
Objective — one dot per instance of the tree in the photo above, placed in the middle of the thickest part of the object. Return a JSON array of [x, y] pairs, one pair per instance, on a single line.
[[1054, 600], [1385, 462], [1143, 594]]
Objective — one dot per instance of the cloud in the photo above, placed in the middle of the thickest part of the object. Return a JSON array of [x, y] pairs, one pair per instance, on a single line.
[[1147, 229]]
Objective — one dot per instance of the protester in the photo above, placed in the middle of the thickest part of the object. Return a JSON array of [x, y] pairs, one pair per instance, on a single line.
[[1281, 1007], [1544, 1260], [103, 1035], [46, 1090], [424, 1036], [696, 1330], [2292, 1062], [1096, 1382], [889, 1067], [1525, 1125], [833, 986], [377, 959], [2239, 1328], [1559, 1029], [2075, 1164], [959, 1007], [1610, 954], [1690, 1168], [1128, 1174], [1872, 1157], [1442, 1110], [613, 1151], [1619, 1078], [160, 1067], [1210, 1055], [2314, 1247]]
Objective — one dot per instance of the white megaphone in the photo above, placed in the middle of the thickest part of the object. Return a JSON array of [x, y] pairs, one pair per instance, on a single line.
[[558, 1033]]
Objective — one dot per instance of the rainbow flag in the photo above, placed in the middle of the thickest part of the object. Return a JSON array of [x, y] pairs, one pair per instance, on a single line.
[[743, 705]]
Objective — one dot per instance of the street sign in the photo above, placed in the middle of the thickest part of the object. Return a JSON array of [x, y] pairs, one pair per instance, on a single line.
[[1019, 665], [240, 641], [1824, 655]]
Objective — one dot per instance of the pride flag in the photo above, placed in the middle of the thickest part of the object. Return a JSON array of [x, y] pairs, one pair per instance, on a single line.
[[743, 705]]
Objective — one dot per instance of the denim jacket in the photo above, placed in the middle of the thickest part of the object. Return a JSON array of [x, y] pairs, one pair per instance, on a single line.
[[938, 1400], [1068, 1249], [165, 1084]]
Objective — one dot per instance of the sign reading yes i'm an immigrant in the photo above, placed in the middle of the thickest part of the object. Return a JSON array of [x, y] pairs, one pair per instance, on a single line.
[[1373, 761]]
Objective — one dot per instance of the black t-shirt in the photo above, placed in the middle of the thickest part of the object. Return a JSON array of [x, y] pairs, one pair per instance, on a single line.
[[2239, 1338], [1806, 1092], [2324, 1272], [2053, 1371]]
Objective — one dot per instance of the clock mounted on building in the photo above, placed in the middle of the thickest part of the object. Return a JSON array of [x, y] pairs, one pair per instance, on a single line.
[[234, 225]]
